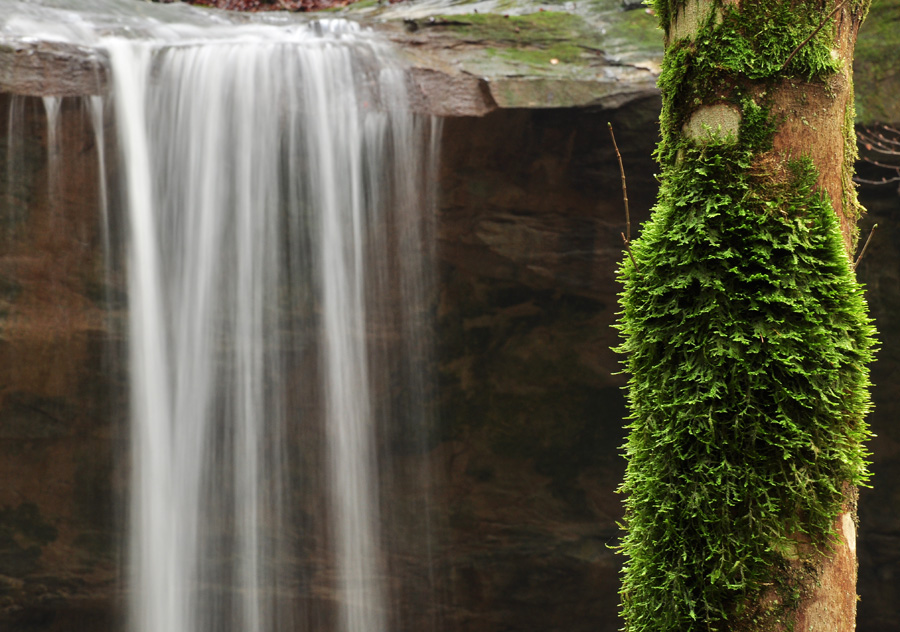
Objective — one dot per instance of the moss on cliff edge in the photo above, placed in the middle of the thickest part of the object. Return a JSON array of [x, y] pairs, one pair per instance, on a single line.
[[538, 40]]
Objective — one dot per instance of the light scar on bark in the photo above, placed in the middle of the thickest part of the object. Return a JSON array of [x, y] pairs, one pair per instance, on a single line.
[[716, 121]]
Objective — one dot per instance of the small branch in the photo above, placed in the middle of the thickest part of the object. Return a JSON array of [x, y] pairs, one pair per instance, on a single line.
[[626, 236], [881, 150], [890, 141], [882, 181], [878, 140], [814, 33], [624, 186], [865, 245], [881, 164], [628, 248]]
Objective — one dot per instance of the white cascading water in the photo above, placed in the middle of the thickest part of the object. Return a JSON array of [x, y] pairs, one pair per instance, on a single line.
[[237, 153], [276, 194]]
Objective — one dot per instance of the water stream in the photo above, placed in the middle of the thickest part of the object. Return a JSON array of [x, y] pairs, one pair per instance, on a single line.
[[276, 195]]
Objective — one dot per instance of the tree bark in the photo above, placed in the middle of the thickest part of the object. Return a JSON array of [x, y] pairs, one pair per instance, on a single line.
[[813, 112], [818, 118], [752, 89]]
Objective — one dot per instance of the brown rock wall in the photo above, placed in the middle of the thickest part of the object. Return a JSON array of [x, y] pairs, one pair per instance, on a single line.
[[878, 540], [526, 454], [58, 423], [528, 234]]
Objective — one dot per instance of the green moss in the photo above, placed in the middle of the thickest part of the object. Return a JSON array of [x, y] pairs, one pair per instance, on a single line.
[[542, 25], [747, 341], [534, 39], [636, 29], [563, 52], [661, 9], [727, 55], [852, 209]]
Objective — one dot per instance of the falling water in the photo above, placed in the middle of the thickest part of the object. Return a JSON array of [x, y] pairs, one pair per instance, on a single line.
[[241, 156], [275, 190], [51, 107]]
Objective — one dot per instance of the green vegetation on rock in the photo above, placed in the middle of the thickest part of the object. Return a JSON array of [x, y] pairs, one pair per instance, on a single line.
[[877, 65], [534, 39], [632, 31]]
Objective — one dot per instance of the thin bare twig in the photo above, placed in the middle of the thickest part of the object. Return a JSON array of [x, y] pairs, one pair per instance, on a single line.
[[890, 130], [624, 187], [880, 150], [865, 245], [882, 164], [877, 182], [877, 139], [807, 40], [626, 236]]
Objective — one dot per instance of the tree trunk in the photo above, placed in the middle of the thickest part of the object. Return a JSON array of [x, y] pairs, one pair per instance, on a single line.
[[747, 335]]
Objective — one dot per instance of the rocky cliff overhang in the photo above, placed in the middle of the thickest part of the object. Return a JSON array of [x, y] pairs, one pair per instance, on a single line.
[[437, 85], [37, 68], [458, 65], [468, 59]]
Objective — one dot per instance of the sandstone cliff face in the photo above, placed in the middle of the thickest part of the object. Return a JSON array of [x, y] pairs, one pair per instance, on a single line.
[[530, 413], [879, 534], [60, 410], [531, 407]]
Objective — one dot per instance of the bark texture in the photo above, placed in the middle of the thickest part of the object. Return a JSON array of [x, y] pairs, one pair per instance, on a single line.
[[745, 449]]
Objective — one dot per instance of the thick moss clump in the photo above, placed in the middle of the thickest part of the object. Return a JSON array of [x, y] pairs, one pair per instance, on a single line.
[[747, 338], [734, 49]]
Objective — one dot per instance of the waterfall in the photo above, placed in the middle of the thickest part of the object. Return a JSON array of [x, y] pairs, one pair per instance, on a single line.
[[275, 193], [258, 172]]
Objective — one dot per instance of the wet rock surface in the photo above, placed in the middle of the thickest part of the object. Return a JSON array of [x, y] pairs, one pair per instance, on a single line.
[[530, 407], [879, 532], [60, 432]]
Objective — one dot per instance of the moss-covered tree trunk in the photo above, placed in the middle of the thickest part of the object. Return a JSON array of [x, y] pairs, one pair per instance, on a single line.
[[746, 333]]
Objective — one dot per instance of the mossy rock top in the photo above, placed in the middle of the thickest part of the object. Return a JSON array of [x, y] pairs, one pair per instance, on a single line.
[[624, 32], [531, 54], [583, 47]]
